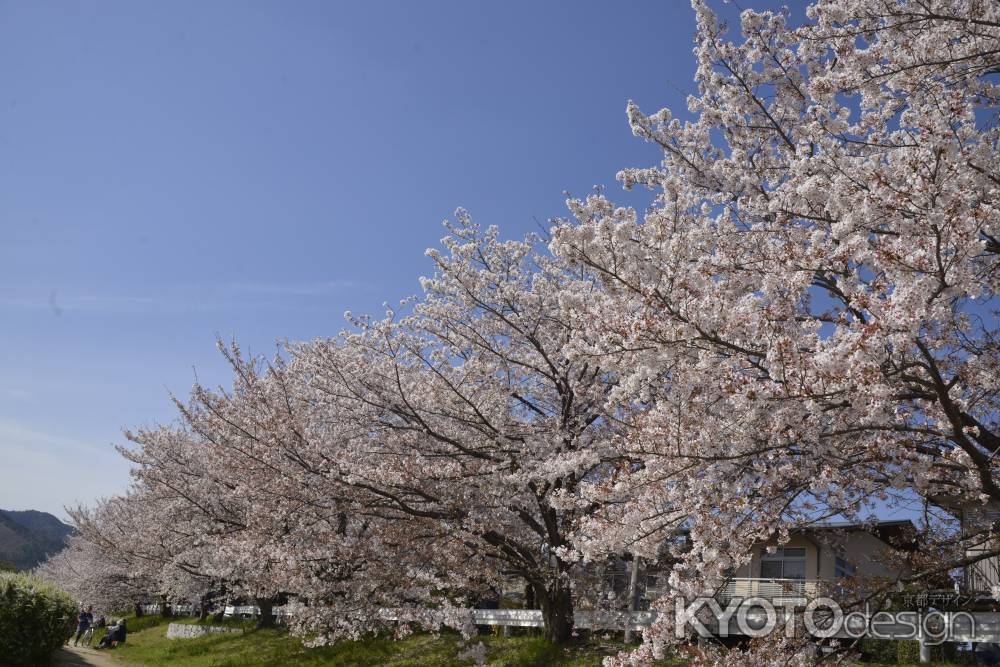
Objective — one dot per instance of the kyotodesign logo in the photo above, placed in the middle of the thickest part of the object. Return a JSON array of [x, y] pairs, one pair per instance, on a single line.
[[820, 618]]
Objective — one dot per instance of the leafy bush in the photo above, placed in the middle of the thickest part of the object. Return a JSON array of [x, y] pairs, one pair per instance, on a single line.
[[907, 652], [35, 619], [880, 651]]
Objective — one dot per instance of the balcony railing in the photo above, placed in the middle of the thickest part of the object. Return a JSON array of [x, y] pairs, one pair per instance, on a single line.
[[769, 589]]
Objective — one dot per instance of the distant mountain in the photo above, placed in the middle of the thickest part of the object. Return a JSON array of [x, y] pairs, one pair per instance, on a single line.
[[27, 537]]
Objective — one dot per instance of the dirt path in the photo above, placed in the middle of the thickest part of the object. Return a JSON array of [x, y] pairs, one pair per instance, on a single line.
[[78, 656]]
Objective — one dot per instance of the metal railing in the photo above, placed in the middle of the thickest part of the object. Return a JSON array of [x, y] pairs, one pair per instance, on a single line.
[[229, 611], [769, 589], [982, 575], [962, 627], [251, 611]]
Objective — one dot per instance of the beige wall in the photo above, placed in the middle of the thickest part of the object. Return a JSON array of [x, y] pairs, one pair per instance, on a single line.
[[863, 549]]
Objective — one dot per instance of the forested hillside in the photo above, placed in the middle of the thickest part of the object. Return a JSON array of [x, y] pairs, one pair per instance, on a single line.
[[26, 537]]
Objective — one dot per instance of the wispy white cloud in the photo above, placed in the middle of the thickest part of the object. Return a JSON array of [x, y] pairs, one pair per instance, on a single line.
[[14, 434], [57, 302], [15, 393], [323, 288], [175, 298]]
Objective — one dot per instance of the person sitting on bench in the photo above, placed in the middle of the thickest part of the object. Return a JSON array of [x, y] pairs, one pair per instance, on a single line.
[[115, 636]]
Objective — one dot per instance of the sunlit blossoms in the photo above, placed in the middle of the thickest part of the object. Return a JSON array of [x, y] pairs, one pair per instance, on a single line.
[[465, 422], [807, 313]]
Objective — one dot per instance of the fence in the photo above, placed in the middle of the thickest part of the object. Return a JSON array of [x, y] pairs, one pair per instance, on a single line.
[[229, 611], [769, 589]]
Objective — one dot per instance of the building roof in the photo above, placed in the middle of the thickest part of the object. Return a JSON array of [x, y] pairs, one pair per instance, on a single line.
[[898, 533]]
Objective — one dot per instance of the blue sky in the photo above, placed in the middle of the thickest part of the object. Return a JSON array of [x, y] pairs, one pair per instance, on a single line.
[[170, 172]]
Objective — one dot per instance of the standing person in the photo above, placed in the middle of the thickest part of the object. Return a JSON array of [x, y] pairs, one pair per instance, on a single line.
[[83, 622]]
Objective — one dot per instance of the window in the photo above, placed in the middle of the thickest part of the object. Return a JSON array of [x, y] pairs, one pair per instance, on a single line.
[[654, 588], [843, 568], [788, 563]]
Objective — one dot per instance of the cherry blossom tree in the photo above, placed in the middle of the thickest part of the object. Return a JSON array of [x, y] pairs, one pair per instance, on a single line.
[[246, 465], [148, 539], [466, 423], [804, 321], [191, 523], [228, 521], [96, 578]]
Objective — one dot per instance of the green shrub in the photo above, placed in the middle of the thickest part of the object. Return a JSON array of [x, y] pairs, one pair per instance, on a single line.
[[880, 651], [35, 619], [907, 652]]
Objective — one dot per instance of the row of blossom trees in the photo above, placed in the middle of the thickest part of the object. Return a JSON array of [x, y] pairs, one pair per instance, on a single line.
[[410, 463], [802, 325]]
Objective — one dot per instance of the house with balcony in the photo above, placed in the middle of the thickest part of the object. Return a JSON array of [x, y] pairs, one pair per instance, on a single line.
[[982, 575], [978, 521], [816, 559], [819, 558]]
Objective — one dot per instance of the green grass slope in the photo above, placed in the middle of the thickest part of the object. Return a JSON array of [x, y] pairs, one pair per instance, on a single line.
[[148, 647]]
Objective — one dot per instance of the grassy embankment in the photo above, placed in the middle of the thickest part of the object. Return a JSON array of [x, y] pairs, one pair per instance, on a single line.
[[147, 646]]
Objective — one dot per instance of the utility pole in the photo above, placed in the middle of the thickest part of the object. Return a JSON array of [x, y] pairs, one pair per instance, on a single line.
[[633, 596]]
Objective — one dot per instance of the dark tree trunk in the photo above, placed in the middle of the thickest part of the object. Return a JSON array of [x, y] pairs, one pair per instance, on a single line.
[[529, 597], [203, 608], [220, 609], [266, 606], [165, 609], [138, 610], [557, 613]]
